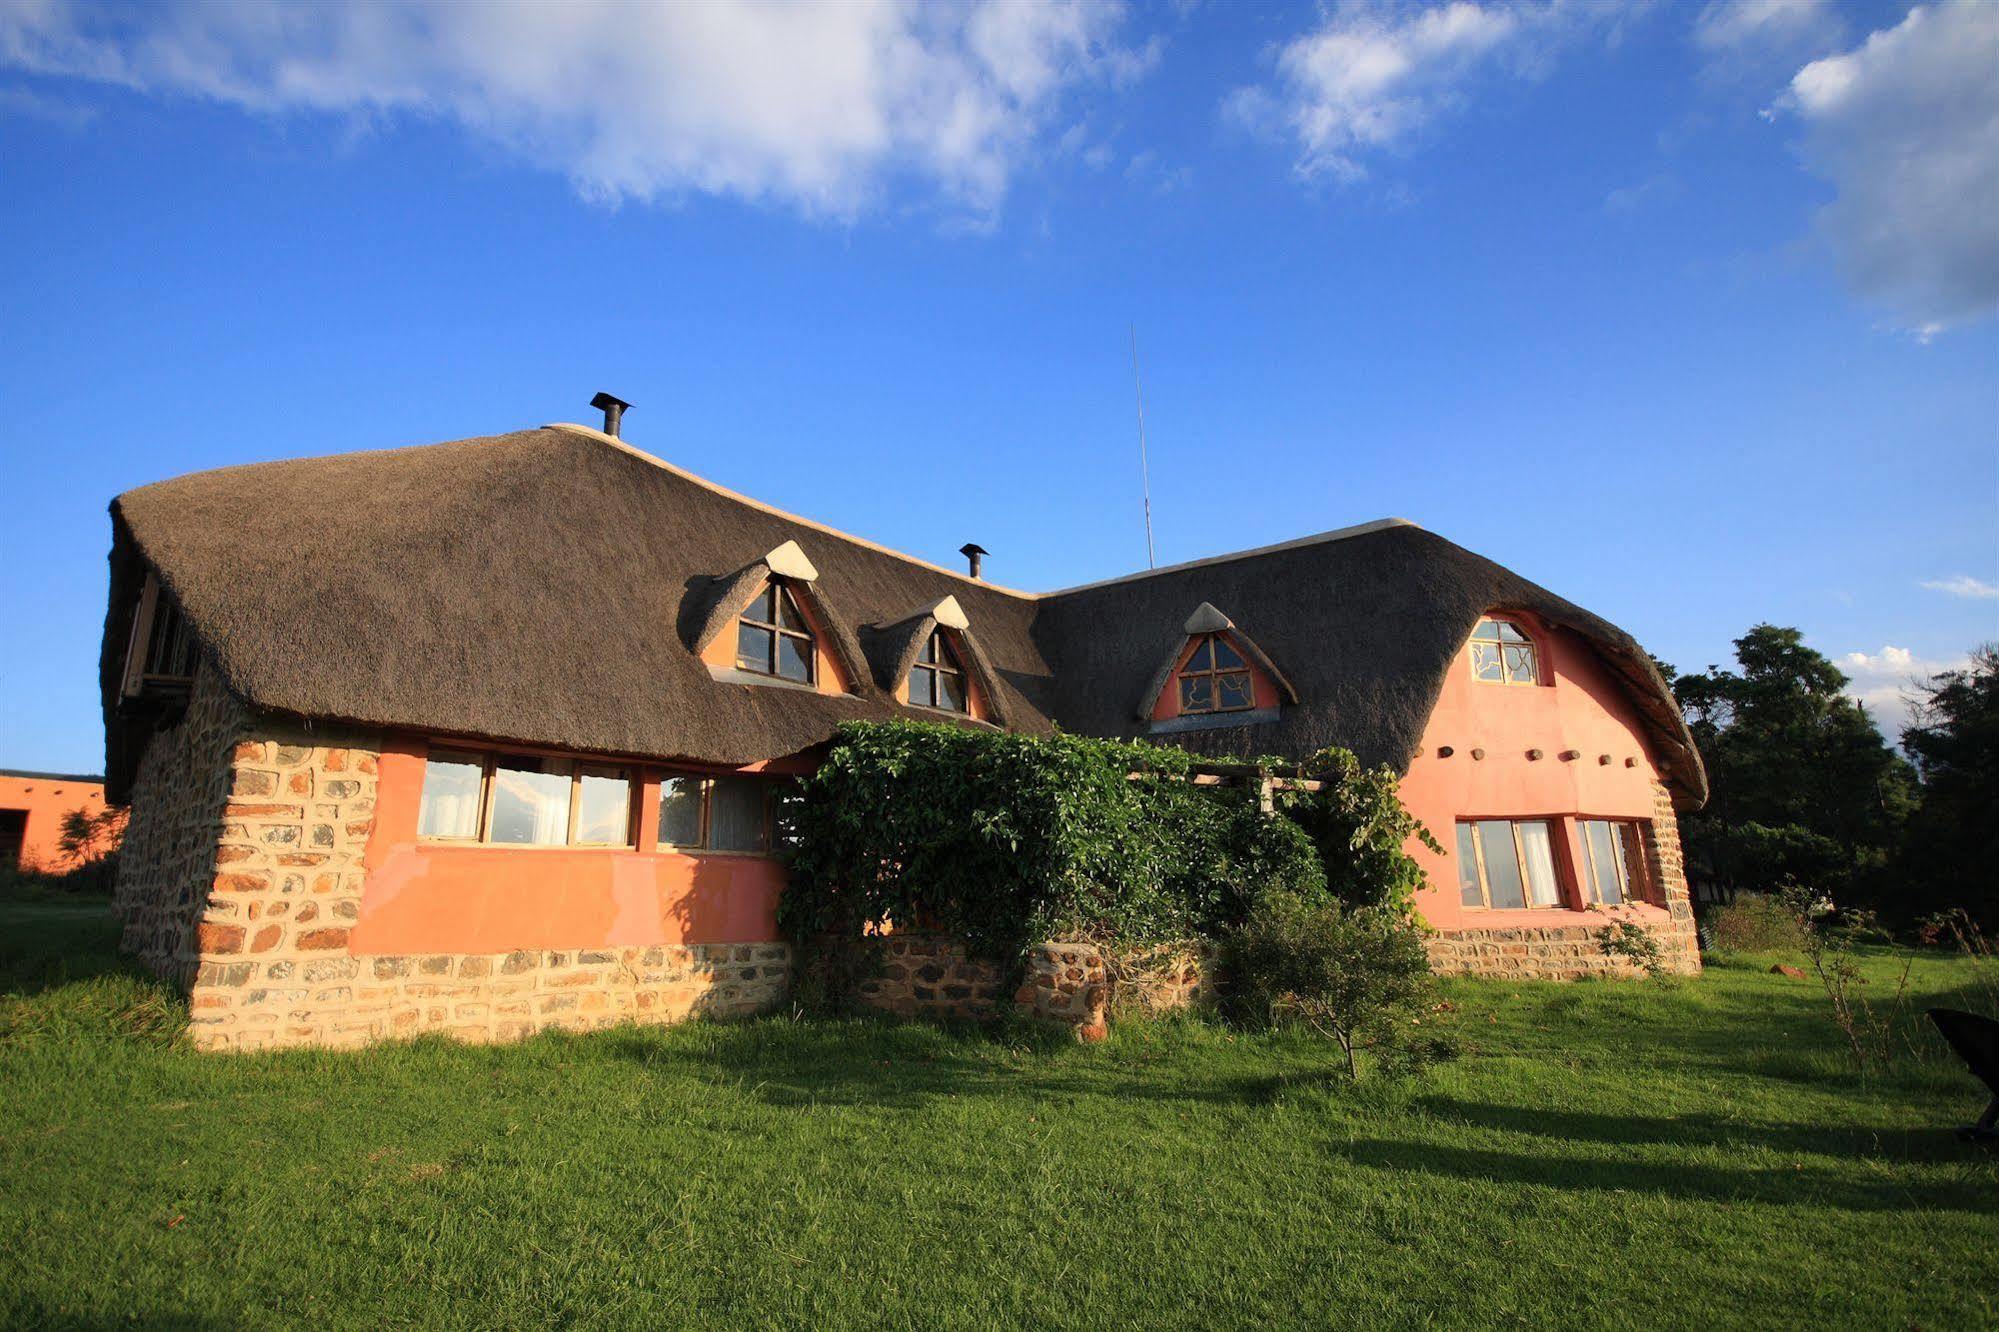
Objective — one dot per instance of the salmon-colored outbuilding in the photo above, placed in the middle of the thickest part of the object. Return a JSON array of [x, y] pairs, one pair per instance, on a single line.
[[32, 808], [498, 734]]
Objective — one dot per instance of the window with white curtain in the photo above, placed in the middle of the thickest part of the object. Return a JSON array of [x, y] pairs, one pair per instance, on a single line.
[[1507, 863]]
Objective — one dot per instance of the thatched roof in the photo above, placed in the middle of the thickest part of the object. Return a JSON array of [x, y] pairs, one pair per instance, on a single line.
[[550, 587]]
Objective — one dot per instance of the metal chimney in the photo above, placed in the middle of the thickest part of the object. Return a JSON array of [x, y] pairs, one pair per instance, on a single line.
[[614, 412], [972, 551]]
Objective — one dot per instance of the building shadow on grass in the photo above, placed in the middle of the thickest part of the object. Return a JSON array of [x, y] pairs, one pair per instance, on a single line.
[[46, 945], [1793, 1185], [895, 1065], [1903, 1143]]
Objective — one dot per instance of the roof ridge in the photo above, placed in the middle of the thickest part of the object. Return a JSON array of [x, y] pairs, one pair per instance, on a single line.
[[1336, 534], [590, 432]]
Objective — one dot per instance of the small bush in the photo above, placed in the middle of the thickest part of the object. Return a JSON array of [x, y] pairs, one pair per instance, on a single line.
[[1358, 975], [1635, 943], [1754, 923]]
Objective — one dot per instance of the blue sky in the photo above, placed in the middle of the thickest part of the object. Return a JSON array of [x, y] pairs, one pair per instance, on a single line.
[[1683, 310]]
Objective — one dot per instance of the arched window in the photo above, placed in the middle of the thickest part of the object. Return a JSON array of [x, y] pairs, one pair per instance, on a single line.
[[937, 679], [774, 637], [1215, 679], [1501, 652]]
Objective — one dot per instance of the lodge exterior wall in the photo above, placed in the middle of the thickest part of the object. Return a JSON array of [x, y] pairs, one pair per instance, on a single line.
[[244, 878], [921, 974], [1569, 952]]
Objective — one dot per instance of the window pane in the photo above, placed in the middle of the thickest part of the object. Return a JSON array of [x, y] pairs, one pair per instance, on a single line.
[[1520, 663], [1540, 852], [1204, 656], [736, 814], [450, 806], [1632, 853], [1197, 693], [1485, 661], [1603, 862], [1468, 892], [753, 649], [788, 613], [922, 686], [794, 657], [1235, 691], [929, 652], [1502, 863], [762, 609], [680, 810], [604, 807], [1226, 657], [950, 691], [530, 802], [1487, 630], [1510, 633]]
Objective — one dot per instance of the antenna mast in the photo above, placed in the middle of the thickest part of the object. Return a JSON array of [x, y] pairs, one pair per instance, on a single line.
[[1144, 466]]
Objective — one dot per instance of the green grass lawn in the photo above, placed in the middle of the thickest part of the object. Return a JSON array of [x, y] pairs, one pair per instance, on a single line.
[[1605, 1154]]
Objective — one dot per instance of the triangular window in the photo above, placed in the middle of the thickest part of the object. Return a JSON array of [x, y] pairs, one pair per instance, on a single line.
[[1502, 653], [937, 679], [1215, 679], [773, 637]]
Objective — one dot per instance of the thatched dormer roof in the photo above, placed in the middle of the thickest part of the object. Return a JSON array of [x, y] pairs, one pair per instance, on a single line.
[[548, 587]]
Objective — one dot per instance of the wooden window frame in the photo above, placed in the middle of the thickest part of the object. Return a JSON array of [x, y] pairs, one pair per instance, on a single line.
[[809, 636], [943, 651], [1553, 826], [1213, 675], [1628, 840], [489, 762], [1532, 644], [706, 785], [157, 607]]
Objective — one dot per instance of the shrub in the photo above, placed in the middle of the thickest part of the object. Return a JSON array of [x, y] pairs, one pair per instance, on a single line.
[[1005, 840], [1357, 975], [1635, 943], [1357, 820], [1754, 923]]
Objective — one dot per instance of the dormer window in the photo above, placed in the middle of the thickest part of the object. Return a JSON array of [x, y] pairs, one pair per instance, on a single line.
[[1502, 653], [1215, 679], [773, 636], [937, 679]]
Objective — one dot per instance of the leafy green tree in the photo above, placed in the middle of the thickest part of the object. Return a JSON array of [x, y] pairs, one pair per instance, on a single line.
[[1805, 790], [1951, 853]]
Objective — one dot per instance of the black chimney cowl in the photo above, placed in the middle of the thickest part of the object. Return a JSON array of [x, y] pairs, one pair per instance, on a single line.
[[614, 412], [973, 551]]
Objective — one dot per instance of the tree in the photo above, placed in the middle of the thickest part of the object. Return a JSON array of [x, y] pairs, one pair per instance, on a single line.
[[1952, 846], [1804, 789], [87, 837]]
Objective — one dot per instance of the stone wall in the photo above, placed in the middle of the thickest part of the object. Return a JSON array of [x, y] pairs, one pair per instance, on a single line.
[[929, 975], [244, 877], [166, 865], [1570, 951]]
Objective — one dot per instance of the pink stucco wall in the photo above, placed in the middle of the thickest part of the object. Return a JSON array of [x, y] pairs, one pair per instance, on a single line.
[[1580, 709]]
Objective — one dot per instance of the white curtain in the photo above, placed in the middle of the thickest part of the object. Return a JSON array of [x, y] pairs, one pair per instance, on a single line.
[[1540, 854]]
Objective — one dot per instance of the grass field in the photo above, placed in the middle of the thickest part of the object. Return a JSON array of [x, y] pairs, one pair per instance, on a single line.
[[1613, 1154]]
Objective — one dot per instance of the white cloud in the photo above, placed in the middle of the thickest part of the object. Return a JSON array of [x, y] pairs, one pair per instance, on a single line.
[[1760, 27], [817, 106], [1884, 682], [1963, 585], [1906, 128], [1367, 78]]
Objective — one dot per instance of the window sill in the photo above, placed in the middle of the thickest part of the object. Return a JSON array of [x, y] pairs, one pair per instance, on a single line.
[[736, 675], [1211, 721]]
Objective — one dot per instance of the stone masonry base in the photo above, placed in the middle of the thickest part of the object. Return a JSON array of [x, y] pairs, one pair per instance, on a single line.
[[930, 975], [344, 1000], [1554, 953]]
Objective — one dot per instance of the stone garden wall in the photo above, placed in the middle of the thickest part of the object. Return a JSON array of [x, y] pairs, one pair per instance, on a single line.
[[929, 975]]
